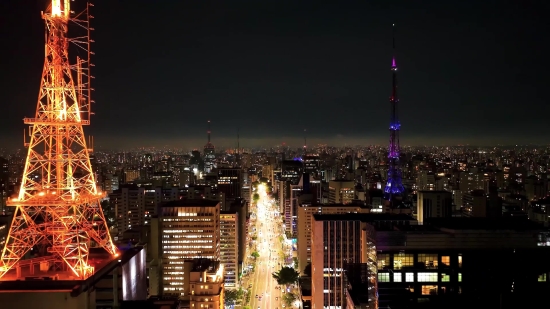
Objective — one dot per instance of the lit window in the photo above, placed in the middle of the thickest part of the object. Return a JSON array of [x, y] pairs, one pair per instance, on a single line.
[[446, 260], [429, 260], [460, 260], [445, 278], [397, 277], [427, 277], [429, 290], [383, 260], [383, 277], [409, 277], [542, 278], [401, 260], [459, 277]]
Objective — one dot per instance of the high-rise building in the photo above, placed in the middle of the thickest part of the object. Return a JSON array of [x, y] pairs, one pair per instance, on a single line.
[[229, 247], [230, 183], [434, 204], [338, 241], [305, 219], [134, 206], [341, 191], [190, 229]]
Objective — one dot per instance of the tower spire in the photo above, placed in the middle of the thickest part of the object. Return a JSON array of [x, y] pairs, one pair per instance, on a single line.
[[394, 186], [208, 131], [305, 142]]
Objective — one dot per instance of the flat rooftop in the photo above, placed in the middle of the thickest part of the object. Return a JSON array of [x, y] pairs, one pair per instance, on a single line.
[[191, 203], [43, 281], [503, 223], [205, 264], [370, 217]]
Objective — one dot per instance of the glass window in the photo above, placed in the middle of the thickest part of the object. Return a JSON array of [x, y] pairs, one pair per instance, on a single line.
[[446, 260], [427, 277], [383, 260], [429, 290], [445, 278], [542, 278], [397, 277], [409, 277], [459, 277], [429, 260], [401, 260], [460, 260], [383, 277]]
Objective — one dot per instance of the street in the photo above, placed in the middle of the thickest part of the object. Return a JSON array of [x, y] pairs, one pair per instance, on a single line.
[[268, 244]]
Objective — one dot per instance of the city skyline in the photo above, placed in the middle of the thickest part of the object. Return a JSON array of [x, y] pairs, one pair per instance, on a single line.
[[289, 71]]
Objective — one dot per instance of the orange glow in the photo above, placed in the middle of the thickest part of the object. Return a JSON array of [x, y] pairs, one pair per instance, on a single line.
[[56, 7], [61, 207]]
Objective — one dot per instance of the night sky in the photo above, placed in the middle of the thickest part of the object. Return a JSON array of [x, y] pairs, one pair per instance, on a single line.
[[470, 71]]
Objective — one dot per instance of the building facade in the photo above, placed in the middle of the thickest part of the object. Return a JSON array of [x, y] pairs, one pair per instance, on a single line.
[[189, 229], [229, 248]]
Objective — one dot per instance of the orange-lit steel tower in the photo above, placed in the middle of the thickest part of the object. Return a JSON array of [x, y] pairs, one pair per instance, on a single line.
[[58, 205]]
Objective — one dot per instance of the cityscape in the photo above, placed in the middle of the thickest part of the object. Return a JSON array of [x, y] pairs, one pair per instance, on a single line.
[[213, 215]]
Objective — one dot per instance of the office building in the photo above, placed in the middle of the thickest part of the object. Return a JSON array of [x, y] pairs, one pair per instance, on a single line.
[[434, 204], [229, 247], [341, 191], [189, 229], [339, 240]]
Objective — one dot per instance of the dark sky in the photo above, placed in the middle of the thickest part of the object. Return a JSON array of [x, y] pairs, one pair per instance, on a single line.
[[470, 71]]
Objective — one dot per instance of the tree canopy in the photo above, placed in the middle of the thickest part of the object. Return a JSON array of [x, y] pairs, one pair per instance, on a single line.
[[255, 197], [286, 275], [232, 296], [289, 298], [255, 254]]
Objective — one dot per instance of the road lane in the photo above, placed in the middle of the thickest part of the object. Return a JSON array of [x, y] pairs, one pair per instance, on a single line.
[[268, 246]]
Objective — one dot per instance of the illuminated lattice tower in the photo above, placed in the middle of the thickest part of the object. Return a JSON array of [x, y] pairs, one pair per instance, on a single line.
[[394, 186], [58, 206]]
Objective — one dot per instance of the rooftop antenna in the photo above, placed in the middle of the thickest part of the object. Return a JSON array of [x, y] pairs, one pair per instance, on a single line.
[[208, 131], [305, 142], [238, 140]]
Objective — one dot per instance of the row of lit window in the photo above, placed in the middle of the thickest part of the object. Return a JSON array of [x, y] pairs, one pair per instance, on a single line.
[[185, 242], [187, 251], [173, 278], [185, 236], [182, 231], [187, 220], [422, 277]]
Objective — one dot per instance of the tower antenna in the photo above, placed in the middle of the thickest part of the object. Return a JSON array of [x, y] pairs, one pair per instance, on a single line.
[[305, 142], [58, 204], [208, 131], [394, 186]]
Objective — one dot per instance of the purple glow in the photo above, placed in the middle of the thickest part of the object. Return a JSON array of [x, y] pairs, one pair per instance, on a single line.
[[393, 65]]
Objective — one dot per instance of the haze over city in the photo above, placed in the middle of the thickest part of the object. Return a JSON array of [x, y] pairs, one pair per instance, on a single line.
[[273, 69]]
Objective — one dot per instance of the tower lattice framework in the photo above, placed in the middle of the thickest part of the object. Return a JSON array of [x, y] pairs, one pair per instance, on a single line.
[[394, 186], [58, 205]]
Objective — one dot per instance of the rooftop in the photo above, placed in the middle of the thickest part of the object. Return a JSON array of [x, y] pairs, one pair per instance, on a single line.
[[370, 217], [44, 281], [470, 223], [191, 203], [205, 265]]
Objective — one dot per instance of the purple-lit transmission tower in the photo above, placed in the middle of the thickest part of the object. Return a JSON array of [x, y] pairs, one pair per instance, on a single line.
[[394, 186]]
